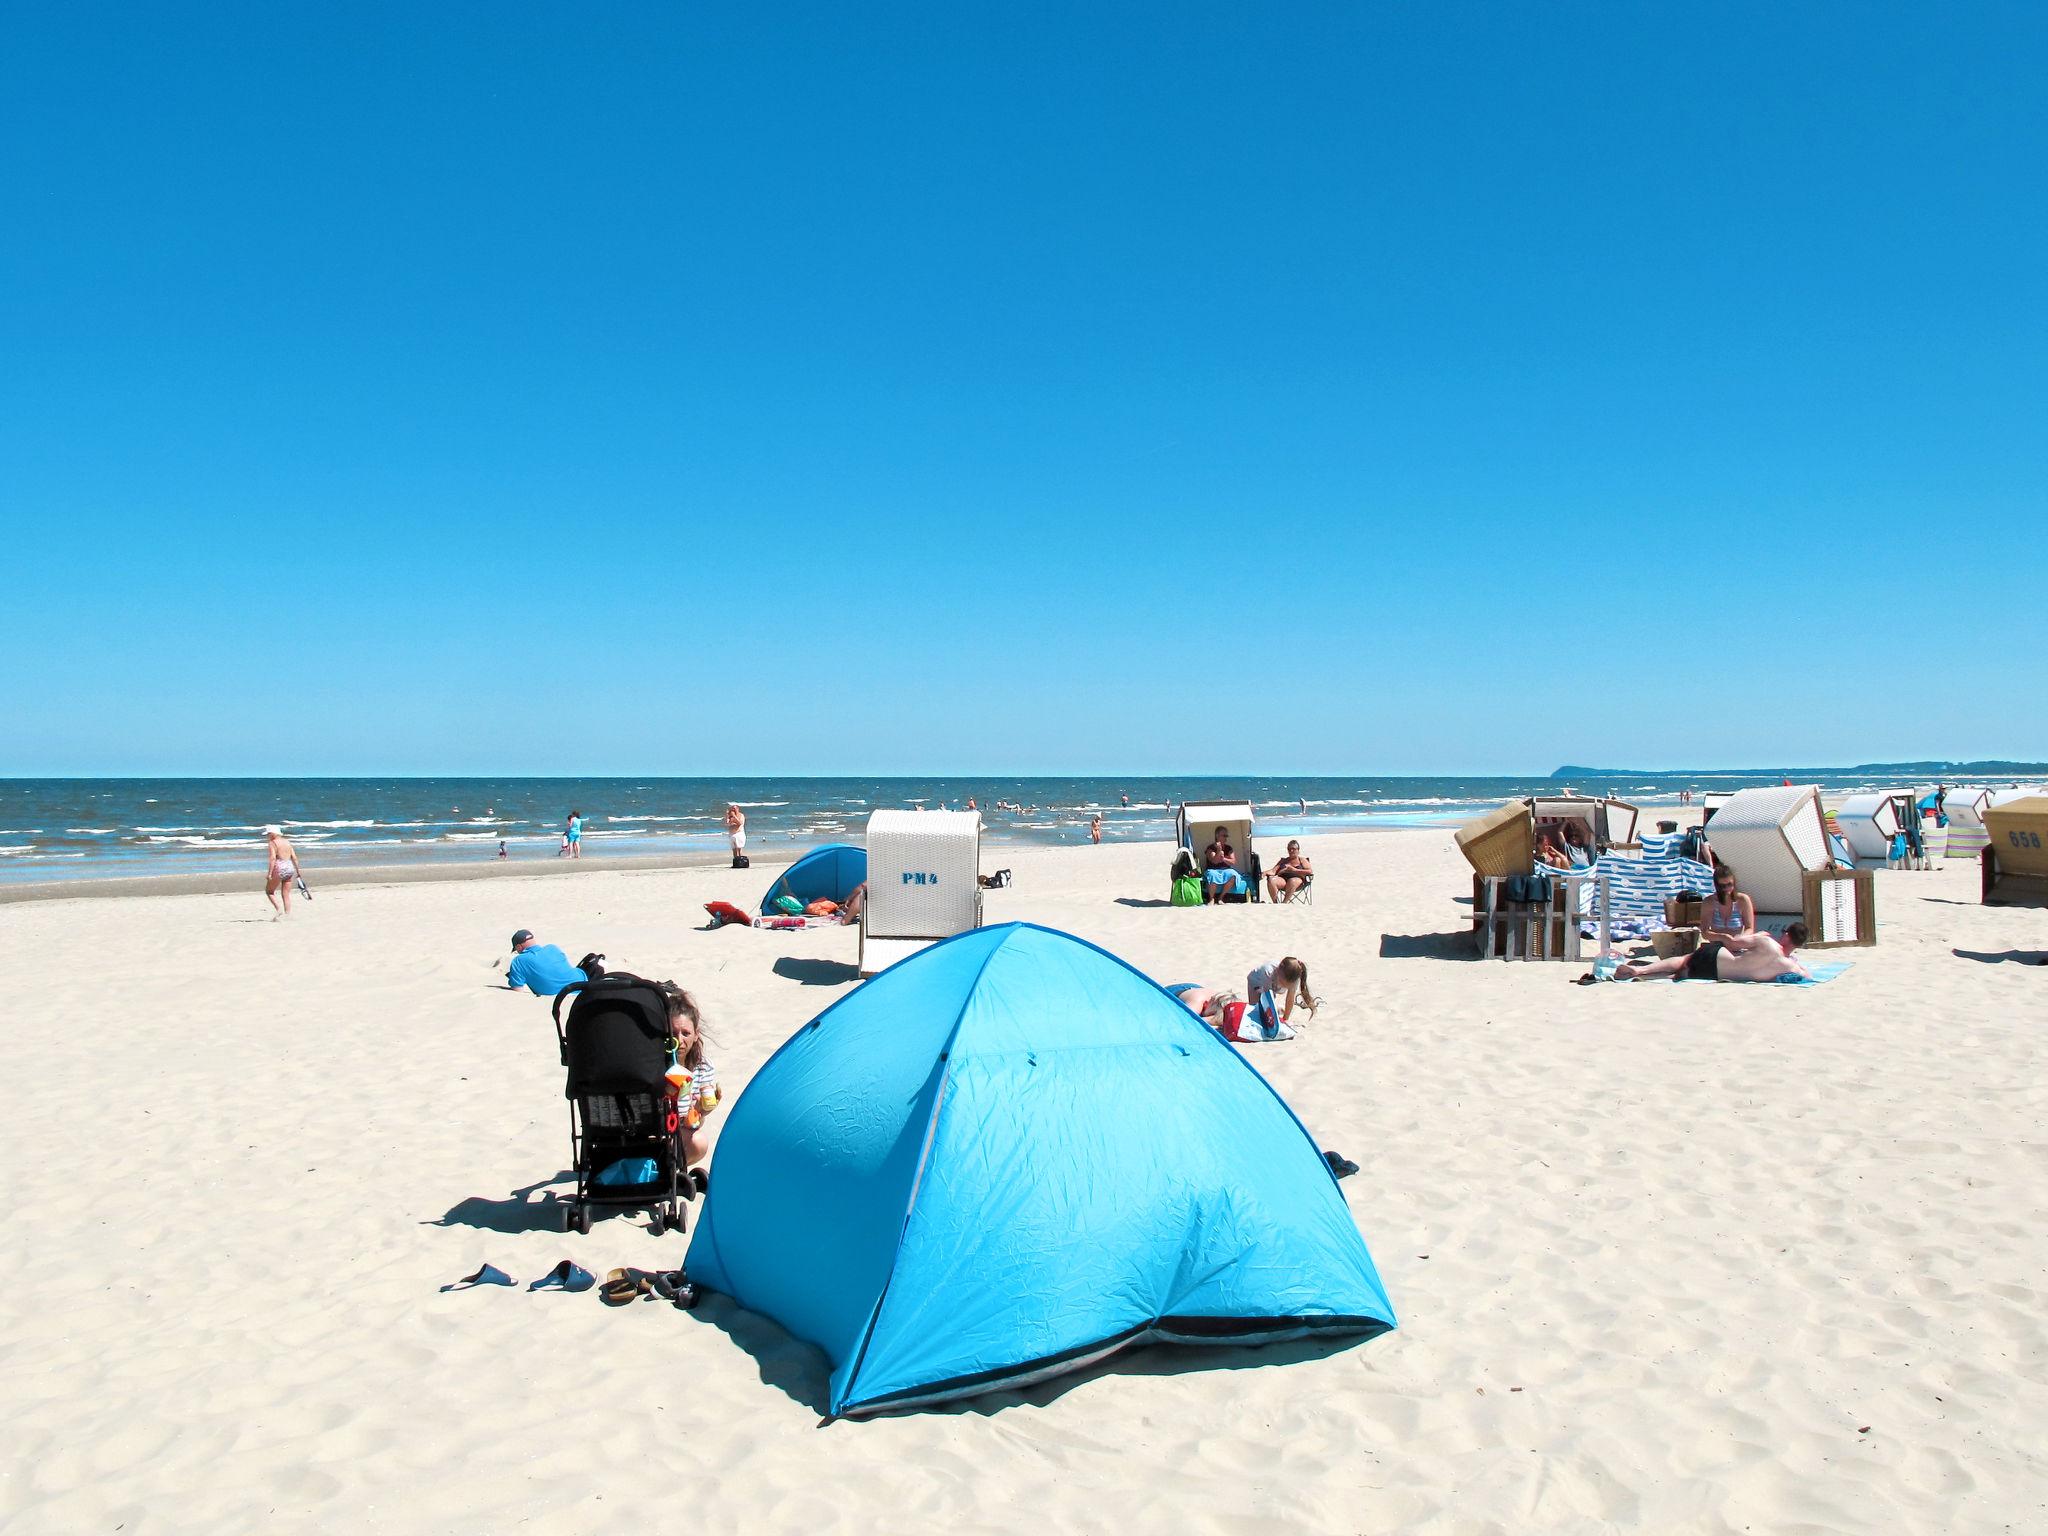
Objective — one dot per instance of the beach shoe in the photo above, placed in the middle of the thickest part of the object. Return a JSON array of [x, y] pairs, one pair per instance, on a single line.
[[1340, 1165], [490, 1274], [674, 1286], [565, 1276], [622, 1286]]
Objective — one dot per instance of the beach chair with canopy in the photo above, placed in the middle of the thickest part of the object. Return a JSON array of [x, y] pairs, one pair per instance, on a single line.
[[1196, 823], [1772, 837], [1874, 825], [2016, 861], [924, 883], [1964, 807]]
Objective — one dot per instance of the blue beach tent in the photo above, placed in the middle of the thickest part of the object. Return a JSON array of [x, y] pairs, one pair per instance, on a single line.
[[1011, 1155], [824, 874]]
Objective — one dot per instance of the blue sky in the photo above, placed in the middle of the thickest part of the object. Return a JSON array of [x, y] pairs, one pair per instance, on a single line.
[[521, 388]]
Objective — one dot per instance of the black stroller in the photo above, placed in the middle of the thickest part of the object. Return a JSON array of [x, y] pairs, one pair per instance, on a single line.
[[615, 1046]]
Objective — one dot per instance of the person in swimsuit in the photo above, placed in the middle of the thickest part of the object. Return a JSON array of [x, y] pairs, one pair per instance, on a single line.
[[1738, 957], [574, 836], [1095, 829], [1219, 869], [1288, 977], [1290, 876], [736, 832], [281, 870], [1730, 914]]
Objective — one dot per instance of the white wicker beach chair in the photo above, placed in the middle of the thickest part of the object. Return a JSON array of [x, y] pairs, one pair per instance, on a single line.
[[1772, 837], [924, 883], [1965, 806], [1870, 822]]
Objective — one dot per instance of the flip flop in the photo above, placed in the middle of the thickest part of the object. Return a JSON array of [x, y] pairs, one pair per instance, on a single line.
[[565, 1276], [623, 1286], [490, 1274]]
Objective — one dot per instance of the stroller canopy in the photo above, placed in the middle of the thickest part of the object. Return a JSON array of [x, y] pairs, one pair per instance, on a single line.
[[824, 874], [999, 1160]]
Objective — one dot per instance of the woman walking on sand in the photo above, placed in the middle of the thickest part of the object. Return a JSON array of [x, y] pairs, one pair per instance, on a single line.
[[281, 869]]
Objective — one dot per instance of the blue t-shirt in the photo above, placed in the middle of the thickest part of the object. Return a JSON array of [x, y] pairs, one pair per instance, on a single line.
[[543, 968]]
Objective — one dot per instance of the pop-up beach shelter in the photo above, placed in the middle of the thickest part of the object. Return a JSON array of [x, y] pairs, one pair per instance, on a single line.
[[829, 873], [1000, 1160]]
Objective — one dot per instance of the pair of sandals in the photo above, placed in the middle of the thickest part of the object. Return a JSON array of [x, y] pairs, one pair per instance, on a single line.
[[624, 1286], [565, 1276]]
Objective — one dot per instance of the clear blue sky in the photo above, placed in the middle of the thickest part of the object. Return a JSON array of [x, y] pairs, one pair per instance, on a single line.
[[1398, 388]]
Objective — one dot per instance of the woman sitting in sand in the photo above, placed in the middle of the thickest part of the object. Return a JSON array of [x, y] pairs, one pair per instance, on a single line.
[[696, 1094], [1738, 957], [281, 870], [1728, 914]]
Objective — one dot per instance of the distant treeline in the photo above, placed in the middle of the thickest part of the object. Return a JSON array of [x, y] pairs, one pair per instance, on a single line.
[[1926, 769]]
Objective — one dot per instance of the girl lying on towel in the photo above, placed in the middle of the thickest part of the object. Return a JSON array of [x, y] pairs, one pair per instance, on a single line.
[[1732, 957]]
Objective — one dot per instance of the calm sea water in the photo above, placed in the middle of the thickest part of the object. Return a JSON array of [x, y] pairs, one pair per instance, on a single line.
[[52, 829]]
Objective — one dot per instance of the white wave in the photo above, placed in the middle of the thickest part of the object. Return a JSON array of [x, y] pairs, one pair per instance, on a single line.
[[330, 823], [92, 831], [19, 831], [470, 837], [672, 818], [21, 848], [748, 805]]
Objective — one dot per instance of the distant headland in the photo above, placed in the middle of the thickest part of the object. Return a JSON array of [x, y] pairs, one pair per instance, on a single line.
[[1992, 768]]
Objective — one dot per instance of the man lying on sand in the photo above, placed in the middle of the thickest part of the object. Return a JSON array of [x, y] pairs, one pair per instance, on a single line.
[[541, 968], [1733, 957]]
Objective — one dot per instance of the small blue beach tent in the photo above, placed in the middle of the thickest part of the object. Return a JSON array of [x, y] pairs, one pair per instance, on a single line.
[[1011, 1155], [824, 874]]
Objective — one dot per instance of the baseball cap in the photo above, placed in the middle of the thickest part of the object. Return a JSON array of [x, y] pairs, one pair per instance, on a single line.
[[521, 937]]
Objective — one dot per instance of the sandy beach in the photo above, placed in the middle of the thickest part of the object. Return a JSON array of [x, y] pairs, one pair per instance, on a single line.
[[1676, 1258]]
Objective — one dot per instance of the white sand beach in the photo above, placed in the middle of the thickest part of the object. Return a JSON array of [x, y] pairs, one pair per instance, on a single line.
[[1675, 1258]]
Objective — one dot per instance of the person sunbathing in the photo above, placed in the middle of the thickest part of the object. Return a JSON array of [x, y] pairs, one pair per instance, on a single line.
[[1738, 957], [1290, 876], [1578, 848], [1729, 914]]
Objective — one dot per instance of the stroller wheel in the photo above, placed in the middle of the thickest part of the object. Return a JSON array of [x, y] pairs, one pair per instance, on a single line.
[[578, 1219]]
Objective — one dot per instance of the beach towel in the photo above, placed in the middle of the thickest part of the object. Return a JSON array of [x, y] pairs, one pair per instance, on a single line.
[[1826, 970]]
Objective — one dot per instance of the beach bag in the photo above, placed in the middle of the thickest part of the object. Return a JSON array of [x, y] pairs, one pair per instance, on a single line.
[[741, 861], [789, 906], [1187, 892], [592, 966]]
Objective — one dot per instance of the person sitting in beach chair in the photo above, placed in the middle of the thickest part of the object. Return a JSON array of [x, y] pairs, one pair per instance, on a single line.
[[1291, 877], [1221, 880], [1738, 957], [1730, 914], [1578, 848]]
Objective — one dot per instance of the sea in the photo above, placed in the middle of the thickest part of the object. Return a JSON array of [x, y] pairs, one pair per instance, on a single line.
[[83, 829]]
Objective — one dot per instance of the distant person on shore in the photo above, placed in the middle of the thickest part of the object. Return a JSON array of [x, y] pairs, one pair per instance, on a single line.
[[1288, 878], [736, 834], [281, 870], [1126, 799], [1095, 830], [1728, 914], [501, 848], [540, 968], [1220, 875], [1743, 957], [971, 805]]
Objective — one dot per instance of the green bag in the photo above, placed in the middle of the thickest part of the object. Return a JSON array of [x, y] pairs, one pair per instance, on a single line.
[[1187, 892], [789, 906]]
